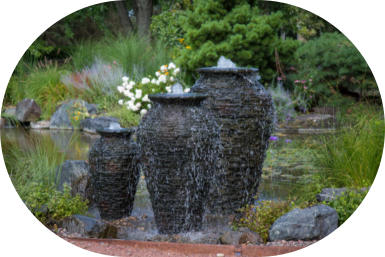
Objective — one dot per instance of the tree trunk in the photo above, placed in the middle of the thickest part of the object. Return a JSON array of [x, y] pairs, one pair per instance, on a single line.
[[123, 16], [143, 12]]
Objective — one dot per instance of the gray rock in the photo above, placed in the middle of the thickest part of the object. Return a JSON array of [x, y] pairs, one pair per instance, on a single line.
[[88, 227], [43, 124], [330, 194], [61, 118], [76, 175], [230, 238], [27, 110], [91, 125], [10, 111], [314, 120], [311, 223], [249, 237]]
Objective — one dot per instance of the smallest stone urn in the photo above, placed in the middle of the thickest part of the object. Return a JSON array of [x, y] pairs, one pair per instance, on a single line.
[[114, 172]]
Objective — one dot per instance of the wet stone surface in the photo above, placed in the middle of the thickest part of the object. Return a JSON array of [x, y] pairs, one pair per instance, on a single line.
[[244, 111]]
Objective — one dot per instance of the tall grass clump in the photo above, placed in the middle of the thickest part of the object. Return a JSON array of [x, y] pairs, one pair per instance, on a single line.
[[43, 85], [352, 157], [33, 173], [138, 57]]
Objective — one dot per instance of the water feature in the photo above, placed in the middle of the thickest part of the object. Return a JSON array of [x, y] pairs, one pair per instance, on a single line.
[[114, 170], [286, 164], [179, 146], [245, 114]]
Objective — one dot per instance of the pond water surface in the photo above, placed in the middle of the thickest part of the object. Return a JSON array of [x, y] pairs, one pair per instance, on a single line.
[[286, 167]]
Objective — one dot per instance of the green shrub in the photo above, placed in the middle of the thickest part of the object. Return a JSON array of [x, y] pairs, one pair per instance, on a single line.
[[237, 31], [49, 205], [347, 203], [334, 64], [351, 158], [259, 218]]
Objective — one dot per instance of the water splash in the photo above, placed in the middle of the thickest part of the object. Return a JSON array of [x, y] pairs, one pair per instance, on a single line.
[[223, 62], [114, 126], [177, 89]]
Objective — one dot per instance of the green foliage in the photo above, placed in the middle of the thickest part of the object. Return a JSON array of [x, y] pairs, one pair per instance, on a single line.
[[49, 205], [33, 173], [334, 64], [135, 55], [347, 203], [167, 28], [237, 31], [259, 218], [126, 118], [41, 84], [351, 158]]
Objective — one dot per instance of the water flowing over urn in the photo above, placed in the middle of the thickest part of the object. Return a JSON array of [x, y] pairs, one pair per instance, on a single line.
[[178, 139], [114, 170], [244, 111]]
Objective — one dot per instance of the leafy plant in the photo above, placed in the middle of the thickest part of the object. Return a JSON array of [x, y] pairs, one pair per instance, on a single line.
[[77, 112], [259, 218], [347, 203]]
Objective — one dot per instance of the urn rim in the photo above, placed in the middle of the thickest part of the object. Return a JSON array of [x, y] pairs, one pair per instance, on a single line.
[[236, 70], [118, 132]]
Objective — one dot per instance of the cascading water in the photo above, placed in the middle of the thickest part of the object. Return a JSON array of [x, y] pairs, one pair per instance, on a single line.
[[244, 111], [180, 146]]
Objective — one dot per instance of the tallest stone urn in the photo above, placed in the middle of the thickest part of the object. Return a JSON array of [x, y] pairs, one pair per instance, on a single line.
[[244, 112]]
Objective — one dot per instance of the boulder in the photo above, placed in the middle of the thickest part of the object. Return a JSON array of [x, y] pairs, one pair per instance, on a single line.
[[249, 237], [10, 111], [61, 118], [88, 227], [230, 238], [27, 110], [311, 223], [331, 194], [76, 175], [43, 124], [313, 120], [91, 125]]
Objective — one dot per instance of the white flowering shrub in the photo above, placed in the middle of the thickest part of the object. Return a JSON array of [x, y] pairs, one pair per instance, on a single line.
[[136, 93]]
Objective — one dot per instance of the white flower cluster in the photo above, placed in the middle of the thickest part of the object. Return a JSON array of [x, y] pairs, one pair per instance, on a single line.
[[137, 100], [135, 96]]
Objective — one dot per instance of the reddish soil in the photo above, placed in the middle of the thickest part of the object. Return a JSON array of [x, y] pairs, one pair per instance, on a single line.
[[159, 249]]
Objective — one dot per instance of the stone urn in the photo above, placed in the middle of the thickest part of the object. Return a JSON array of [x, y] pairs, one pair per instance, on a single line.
[[114, 170], [178, 142], [244, 111]]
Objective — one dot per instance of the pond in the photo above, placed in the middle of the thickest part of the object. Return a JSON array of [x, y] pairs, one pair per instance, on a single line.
[[287, 164]]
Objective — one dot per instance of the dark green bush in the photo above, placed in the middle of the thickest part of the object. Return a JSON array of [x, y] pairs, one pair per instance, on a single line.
[[334, 65], [236, 30]]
